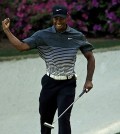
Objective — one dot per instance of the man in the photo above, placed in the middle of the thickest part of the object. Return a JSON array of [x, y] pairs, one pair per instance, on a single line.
[[57, 46]]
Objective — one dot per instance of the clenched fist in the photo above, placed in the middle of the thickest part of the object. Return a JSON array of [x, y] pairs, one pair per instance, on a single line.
[[6, 24]]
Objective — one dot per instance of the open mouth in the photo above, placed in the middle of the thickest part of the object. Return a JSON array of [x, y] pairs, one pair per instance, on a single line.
[[58, 25]]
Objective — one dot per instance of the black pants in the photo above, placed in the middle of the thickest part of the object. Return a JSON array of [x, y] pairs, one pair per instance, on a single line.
[[56, 94]]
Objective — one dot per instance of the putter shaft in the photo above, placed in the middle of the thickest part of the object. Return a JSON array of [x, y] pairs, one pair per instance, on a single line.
[[50, 125]]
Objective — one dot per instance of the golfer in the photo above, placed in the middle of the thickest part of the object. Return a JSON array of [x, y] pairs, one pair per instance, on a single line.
[[57, 46]]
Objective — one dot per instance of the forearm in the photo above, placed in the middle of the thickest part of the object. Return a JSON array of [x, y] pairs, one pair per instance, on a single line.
[[90, 68]]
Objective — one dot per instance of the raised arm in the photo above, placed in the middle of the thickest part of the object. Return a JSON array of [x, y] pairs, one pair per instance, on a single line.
[[90, 70], [19, 45]]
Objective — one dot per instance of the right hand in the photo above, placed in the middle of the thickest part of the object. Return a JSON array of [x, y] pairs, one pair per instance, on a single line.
[[6, 24], [88, 86]]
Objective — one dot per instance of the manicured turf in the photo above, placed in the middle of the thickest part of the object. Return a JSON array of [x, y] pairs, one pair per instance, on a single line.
[[97, 43]]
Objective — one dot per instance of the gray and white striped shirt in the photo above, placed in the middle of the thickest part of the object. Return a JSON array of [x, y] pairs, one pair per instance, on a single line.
[[59, 50]]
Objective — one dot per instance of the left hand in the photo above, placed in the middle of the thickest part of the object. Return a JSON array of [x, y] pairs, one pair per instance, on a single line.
[[88, 86]]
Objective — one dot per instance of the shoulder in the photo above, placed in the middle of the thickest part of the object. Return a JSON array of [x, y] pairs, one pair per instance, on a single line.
[[74, 31], [49, 29], [41, 32], [77, 34]]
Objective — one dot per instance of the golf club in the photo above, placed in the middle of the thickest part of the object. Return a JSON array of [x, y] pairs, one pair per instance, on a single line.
[[51, 125]]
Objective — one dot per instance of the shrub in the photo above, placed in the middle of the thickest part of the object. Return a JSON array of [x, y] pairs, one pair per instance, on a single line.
[[94, 18]]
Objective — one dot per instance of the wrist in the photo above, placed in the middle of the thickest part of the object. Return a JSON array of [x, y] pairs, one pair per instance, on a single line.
[[89, 79], [6, 30]]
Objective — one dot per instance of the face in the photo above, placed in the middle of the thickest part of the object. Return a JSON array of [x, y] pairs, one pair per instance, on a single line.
[[60, 23]]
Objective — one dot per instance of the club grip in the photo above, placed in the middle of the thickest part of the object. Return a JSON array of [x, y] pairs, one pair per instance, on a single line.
[[82, 93]]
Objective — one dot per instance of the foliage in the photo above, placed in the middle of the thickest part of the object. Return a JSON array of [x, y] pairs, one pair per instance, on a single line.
[[93, 17]]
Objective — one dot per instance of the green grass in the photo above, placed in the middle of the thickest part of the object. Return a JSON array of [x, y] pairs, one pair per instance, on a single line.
[[13, 52], [105, 43], [97, 43]]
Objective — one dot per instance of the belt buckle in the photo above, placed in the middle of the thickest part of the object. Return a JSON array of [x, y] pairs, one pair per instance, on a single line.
[[69, 76]]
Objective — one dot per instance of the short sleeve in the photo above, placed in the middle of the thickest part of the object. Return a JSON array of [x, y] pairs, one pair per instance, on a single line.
[[32, 41], [86, 46]]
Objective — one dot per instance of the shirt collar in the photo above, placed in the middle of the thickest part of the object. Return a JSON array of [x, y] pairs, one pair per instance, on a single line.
[[67, 29]]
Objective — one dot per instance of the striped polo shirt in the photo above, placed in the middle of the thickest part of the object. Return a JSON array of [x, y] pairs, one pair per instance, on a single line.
[[59, 50]]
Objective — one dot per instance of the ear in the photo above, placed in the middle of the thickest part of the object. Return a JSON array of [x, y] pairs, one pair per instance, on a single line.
[[68, 17]]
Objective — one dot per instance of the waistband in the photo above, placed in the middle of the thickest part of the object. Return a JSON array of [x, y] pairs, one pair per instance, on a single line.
[[56, 77]]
